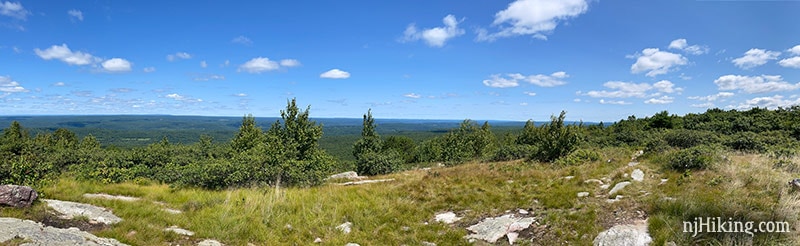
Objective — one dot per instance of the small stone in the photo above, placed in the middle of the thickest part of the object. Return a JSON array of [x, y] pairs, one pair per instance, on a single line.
[[633, 163], [509, 181], [569, 177], [523, 211], [604, 187], [663, 181], [288, 227], [425, 243], [352, 244], [583, 194], [317, 240], [345, 227], [637, 175], [447, 218], [131, 234], [345, 175], [618, 187], [405, 228]]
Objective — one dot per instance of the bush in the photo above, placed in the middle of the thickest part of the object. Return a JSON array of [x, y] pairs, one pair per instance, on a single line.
[[699, 157], [508, 152], [374, 163], [553, 140], [578, 157], [745, 141], [682, 138]]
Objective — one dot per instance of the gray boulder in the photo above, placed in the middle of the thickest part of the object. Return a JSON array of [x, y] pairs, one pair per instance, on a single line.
[[625, 235], [73, 209], [17, 196], [37, 234]]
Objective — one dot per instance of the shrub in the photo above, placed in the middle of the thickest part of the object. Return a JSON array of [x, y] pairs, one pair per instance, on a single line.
[[578, 157], [374, 163], [552, 140], [699, 157], [745, 141], [683, 138]]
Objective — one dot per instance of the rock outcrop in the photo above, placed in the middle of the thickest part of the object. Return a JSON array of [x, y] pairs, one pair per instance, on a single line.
[[73, 209], [35, 233], [492, 229], [17, 196], [625, 235]]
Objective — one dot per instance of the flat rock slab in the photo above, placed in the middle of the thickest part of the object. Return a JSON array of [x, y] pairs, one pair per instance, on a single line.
[[180, 231], [351, 175], [345, 227], [37, 234], [492, 229], [111, 197], [17, 196], [447, 218], [94, 213], [625, 235], [366, 182], [618, 187], [210, 242]]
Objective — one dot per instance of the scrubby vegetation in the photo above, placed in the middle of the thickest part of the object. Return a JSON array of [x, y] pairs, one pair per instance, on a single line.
[[732, 164]]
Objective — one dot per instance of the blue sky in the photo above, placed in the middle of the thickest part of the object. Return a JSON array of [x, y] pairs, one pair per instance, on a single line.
[[483, 59]]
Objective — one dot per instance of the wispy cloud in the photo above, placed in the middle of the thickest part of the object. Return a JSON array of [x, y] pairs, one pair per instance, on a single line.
[[75, 14], [179, 56], [437, 36]]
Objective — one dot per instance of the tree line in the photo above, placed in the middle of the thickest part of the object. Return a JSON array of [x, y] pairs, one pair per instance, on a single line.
[[288, 152]]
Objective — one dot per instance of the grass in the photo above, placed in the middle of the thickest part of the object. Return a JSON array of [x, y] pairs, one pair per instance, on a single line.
[[743, 186]]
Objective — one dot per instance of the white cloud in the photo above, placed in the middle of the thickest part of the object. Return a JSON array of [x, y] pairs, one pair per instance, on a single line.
[[626, 90], [622, 90], [290, 63], [681, 44], [754, 84], [772, 102], [533, 17], [496, 81], [335, 74], [530, 93], [437, 36], [660, 100], [620, 102], [259, 65], [175, 96], [64, 54], [59, 84], [182, 98], [703, 105], [203, 64], [14, 10], [178, 56], [513, 79], [242, 40], [755, 57], [7, 85], [792, 62], [656, 62], [795, 50], [117, 65], [75, 14], [149, 69], [412, 95], [554, 79], [240, 95], [666, 86], [523, 104], [210, 77], [714, 97]]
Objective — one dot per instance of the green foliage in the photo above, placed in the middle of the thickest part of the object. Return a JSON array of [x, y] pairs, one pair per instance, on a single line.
[[552, 140], [371, 156], [662, 120], [682, 138], [401, 144], [577, 157], [249, 135], [694, 158]]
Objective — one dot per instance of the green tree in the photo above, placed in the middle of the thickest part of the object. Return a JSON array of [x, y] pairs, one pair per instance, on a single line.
[[15, 139], [552, 140], [248, 136], [371, 159]]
